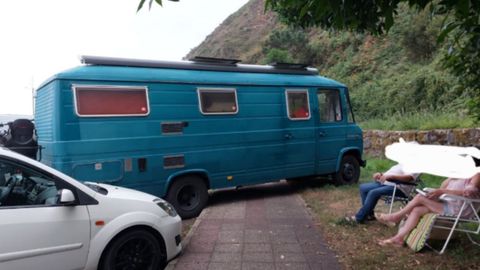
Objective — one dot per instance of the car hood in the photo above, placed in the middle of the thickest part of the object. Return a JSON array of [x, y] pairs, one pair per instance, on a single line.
[[125, 193]]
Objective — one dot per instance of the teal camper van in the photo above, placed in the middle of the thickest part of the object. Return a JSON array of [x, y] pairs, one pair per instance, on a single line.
[[178, 129]]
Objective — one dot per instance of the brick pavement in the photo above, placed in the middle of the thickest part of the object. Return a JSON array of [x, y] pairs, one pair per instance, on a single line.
[[262, 227]]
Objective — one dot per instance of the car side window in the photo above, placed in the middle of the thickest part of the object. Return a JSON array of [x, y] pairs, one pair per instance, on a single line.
[[329, 106], [23, 186]]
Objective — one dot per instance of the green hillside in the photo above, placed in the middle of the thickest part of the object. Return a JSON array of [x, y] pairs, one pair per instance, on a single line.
[[396, 81]]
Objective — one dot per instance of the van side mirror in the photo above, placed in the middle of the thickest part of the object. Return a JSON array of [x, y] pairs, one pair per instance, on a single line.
[[66, 197]]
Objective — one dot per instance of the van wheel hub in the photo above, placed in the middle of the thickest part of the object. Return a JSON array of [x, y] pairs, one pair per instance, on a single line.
[[187, 198]]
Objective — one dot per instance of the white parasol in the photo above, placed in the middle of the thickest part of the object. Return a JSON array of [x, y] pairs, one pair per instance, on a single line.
[[447, 161]]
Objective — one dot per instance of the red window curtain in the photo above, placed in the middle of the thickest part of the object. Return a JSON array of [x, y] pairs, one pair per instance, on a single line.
[[111, 101]]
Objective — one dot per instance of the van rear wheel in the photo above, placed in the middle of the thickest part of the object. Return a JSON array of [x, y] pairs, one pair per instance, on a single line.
[[349, 171], [188, 195]]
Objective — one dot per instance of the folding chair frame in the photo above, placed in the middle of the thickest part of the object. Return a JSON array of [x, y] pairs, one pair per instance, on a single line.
[[458, 220], [408, 197]]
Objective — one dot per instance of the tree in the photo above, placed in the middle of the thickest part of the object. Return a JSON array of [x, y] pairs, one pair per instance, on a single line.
[[461, 28]]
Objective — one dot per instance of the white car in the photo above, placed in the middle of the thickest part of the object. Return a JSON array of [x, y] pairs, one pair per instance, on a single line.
[[50, 221]]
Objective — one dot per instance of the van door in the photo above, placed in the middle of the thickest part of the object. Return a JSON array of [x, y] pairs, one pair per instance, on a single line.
[[299, 134], [330, 129]]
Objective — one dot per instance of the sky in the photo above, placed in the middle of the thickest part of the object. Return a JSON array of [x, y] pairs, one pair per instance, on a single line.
[[39, 38]]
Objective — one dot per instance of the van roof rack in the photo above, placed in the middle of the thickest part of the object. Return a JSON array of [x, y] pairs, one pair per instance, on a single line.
[[283, 65], [214, 60], [203, 63]]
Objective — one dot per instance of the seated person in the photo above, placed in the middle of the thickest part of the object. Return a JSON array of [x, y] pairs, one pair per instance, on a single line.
[[422, 205], [371, 192]]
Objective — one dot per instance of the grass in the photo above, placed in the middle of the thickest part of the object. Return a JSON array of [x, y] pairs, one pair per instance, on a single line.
[[356, 246], [420, 121]]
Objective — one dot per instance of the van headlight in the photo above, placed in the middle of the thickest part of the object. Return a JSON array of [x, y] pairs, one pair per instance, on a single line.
[[168, 208]]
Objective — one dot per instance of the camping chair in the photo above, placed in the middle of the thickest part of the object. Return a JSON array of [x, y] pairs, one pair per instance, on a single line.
[[400, 196], [452, 224]]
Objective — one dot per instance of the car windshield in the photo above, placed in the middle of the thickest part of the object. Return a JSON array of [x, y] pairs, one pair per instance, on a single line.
[[95, 187]]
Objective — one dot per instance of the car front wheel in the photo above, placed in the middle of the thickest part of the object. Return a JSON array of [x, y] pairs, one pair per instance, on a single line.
[[135, 250]]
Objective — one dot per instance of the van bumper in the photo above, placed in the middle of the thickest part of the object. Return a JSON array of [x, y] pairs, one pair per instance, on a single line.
[[363, 163]]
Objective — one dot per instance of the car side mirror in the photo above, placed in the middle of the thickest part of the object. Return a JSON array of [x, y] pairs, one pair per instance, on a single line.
[[66, 197]]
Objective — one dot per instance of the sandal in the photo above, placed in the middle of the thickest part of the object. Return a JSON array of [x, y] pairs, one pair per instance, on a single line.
[[389, 242], [381, 219]]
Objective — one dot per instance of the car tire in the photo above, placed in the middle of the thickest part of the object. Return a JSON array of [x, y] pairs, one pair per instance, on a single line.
[[188, 195], [348, 172], [135, 249]]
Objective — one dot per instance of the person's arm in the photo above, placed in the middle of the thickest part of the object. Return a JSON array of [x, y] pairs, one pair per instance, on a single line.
[[399, 177], [376, 176], [469, 190], [474, 186]]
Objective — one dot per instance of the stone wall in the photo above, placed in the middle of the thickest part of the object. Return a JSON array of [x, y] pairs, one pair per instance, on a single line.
[[374, 141]]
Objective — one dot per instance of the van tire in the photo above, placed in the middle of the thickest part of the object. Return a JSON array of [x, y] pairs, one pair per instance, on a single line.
[[188, 195], [348, 172], [138, 248]]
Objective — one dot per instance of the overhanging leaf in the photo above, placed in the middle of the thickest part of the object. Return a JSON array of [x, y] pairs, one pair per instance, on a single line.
[[140, 5]]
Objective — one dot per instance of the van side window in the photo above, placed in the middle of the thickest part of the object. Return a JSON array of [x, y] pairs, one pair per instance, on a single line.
[[218, 101], [99, 100], [329, 106], [297, 104]]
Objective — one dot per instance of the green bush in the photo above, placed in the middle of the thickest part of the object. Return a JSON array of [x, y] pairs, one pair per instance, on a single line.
[[277, 55], [396, 81]]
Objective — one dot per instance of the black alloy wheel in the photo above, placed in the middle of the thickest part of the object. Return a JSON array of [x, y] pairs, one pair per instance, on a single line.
[[134, 250]]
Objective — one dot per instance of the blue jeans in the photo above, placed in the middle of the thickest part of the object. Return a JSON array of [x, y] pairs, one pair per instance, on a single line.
[[370, 194]]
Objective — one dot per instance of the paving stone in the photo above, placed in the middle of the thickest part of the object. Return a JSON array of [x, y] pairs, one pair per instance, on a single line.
[[226, 256], [257, 224], [204, 238], [257, 266], [191, 266], [292, 266], [292, 248], [256, 236], [199, 247], [224, 266], [257, 247], [234, 247], [230, 237], [195, 257], [289, 257], [257, 257], [287, 238], [235, 213], [233, 227]]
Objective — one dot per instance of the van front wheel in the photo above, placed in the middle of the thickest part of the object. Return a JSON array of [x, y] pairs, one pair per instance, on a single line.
[[349, 171], [188, 195]]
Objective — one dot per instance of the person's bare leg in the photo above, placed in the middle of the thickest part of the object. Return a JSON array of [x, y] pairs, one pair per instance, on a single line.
[[412, 221], [419, 200]]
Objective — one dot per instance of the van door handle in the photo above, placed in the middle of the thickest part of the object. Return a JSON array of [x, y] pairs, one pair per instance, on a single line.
[[288, 136], [321, 133]]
